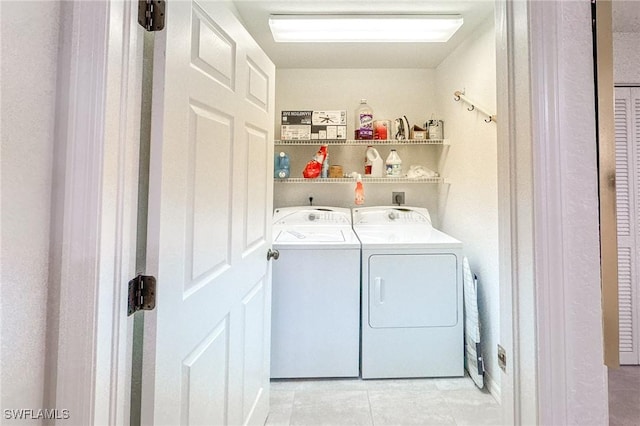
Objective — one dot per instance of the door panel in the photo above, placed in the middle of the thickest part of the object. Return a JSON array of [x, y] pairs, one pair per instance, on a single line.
[[210, 144], [257, 217], [258, 92], [254, 350], [206, 357], [212, 50], [205, 379]]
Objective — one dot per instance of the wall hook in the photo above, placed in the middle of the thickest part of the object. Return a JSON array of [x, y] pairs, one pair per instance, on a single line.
[[460, 96]]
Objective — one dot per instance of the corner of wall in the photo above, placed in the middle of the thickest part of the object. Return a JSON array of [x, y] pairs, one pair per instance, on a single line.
[[471, 212]]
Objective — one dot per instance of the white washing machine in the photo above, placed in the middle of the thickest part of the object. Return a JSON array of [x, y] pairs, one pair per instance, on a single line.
[[315, 327], [412, 318]]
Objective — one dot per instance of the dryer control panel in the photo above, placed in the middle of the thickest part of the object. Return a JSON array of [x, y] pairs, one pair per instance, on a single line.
[[391, 215]]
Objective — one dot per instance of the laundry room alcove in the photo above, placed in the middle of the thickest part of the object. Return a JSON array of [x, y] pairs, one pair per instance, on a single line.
[[421, 86]]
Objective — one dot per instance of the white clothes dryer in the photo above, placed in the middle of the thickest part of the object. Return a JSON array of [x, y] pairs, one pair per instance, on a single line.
[[315, 326], [412, 317]]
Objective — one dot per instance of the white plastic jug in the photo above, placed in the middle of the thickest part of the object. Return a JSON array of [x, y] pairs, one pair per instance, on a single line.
[[377, 166], [394, 164]]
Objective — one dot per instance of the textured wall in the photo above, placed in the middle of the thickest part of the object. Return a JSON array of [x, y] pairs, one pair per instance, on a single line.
[[626, 57], [585, 373], [471, 212], [29, 55]]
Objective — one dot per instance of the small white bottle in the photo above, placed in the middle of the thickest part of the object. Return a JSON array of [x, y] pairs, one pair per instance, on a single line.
[[393, 164]]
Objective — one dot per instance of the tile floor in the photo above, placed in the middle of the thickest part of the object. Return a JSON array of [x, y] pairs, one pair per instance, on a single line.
[[338, 402], [624, 396]]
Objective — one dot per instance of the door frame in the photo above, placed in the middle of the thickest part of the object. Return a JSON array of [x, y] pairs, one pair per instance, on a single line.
[[530, 39], [557, 298], [93, 214]]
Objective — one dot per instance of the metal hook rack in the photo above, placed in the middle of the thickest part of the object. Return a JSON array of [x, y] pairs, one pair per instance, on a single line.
[[459, 96]]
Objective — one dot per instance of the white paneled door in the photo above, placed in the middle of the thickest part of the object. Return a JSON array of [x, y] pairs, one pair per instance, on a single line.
[[206, 345], [627, 128]]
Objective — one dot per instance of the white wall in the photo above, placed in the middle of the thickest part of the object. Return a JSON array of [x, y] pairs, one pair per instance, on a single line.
[[566, 217], [391, 93], [29, 55], [471, 212], [626, 58]]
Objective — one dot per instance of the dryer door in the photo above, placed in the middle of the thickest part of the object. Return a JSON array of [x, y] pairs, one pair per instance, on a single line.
[[413, 290]]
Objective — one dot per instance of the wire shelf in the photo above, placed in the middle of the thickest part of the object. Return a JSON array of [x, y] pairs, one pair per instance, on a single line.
[[372, 142], [435, 180]]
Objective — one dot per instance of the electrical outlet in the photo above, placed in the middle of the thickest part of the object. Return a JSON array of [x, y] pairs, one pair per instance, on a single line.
[[502, 358], [397, 198]]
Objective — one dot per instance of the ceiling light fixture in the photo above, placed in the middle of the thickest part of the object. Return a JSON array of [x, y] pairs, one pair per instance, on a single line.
[[364, 28]]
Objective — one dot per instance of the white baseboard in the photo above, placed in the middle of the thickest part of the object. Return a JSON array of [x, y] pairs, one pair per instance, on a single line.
[[493, 387]]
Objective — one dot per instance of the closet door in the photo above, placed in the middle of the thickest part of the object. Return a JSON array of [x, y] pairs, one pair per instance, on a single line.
[[206, 345], [627, 128]]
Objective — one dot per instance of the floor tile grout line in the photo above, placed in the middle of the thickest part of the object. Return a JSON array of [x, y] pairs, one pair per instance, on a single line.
[[370, 409]]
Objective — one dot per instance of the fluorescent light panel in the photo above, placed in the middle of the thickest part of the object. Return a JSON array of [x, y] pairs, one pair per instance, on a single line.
[[364, 28]]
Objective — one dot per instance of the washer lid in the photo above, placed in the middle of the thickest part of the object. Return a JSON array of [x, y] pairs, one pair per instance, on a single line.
[[302, 236]]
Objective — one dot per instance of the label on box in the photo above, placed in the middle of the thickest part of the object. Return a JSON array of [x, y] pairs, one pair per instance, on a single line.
[[328, 118], [329, 132], [295, 132], [418, 134], [296, 117]]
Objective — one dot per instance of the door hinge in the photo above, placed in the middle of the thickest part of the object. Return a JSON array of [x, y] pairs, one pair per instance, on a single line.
[[151, 14], [142, 294]]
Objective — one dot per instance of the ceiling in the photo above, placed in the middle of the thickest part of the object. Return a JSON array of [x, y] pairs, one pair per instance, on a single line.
[[255, 16]]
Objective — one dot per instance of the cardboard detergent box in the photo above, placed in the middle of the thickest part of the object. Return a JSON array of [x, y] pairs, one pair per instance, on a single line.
[[305, 125], [295, 132], [418, 133], [296, 117]]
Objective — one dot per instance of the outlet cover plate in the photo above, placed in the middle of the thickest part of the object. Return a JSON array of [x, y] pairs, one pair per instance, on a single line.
[[502, 358]]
